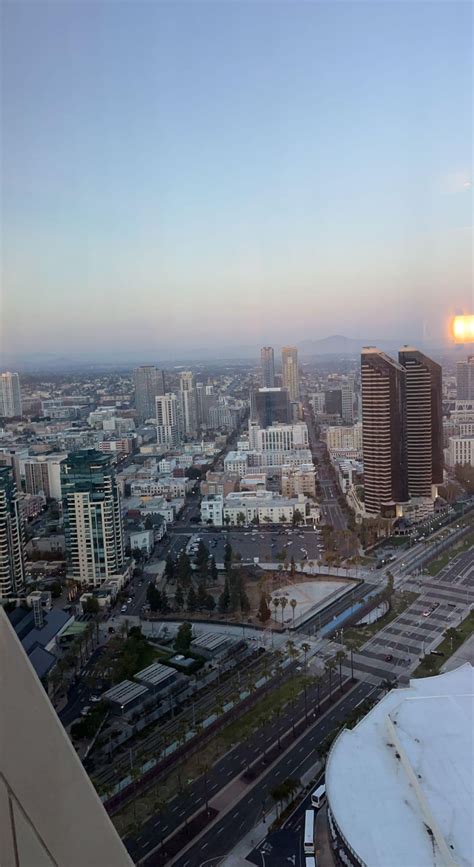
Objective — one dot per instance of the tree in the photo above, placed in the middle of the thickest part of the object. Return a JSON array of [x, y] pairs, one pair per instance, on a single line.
[[240, 518], [340, 658], [184, 636], [305, 647], [165, 606], [264, 612], [191, 602], [183, 569], [153, 597], [209, 603], [169, 568], [283, 603], [352, 645], [213, 573], [56, 589], [330, 665], [292, 566], [91, 605], [228, 557], [224, 598], [202, 560], [179, 597], [201, 596], [297, 518], [244, 601], [275, 603], [293, 604]]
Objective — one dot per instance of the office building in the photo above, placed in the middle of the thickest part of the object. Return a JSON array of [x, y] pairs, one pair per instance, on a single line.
[[267, 361], [333, 401], [92, 517], [290, 373], [279, 437], [460, 451], [340, 438], [51, 815], [149, 382], [347, 403], [465, 379], [399, 784], [270, 405], [168, 428], [383, 431], [43, 475], [298, 480], [424, 423], [12, 565], [189, 406], [10, 395]]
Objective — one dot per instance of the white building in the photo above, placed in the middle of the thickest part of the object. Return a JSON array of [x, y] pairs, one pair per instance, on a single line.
[[245, 506], [400, 785], [298, 480], [212, 509], [278, 437], [144, 540], [43, 475], [10, 395], [168, 433], [168, 486], [237, 463], [460, 451]]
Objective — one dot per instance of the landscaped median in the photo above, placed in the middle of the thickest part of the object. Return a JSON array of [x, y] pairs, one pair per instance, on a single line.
[[463, 545], [454, 637]]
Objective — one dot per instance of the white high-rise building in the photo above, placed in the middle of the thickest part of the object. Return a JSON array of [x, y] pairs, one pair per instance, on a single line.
[[10, 395], [290, 373], [168, 431], [12, 566], [92, 518]]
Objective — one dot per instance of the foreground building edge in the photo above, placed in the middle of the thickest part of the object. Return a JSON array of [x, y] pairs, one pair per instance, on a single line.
[[50, 813]]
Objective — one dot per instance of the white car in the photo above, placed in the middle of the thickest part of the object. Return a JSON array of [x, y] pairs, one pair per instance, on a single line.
[[123, 609]]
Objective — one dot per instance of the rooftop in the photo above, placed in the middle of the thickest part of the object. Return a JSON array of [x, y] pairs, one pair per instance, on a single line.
[[156, 674], [410, 763], [125, 692], [210, 640]]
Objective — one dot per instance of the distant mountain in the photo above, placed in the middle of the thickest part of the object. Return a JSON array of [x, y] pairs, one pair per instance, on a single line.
[[338, 344]]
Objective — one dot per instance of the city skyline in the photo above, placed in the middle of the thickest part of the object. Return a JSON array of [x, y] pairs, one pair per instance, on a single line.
[[313, 182]]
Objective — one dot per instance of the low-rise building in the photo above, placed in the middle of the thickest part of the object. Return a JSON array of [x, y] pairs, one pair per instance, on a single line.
[[126, 696], [460, 451], [341, 438], [144, 540], [253, 482], [298, 480], [236, 463], [212, 506], [219, 483], [263, 506]]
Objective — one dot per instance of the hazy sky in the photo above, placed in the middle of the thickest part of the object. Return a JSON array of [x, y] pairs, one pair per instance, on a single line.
[[236, 172]]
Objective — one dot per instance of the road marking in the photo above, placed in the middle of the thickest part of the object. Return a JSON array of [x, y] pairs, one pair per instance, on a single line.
[[202, 847], [219, 831]]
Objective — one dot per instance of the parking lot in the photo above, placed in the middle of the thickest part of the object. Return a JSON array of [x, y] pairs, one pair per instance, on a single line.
[[267, 545]]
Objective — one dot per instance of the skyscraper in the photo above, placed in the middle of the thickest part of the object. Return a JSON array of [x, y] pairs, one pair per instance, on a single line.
[[92, 517], [267, 361], [149, 382], [289, 358], [10, 395], [188, 398], [12, 566], [424, 424], [269, 405], [465, 379], [384, 431], [168, 432]]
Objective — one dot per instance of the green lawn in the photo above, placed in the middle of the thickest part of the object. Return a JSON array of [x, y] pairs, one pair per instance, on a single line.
[[432, 664]]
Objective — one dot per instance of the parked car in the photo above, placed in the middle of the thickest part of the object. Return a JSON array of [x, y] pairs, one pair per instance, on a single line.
[[389, 657]]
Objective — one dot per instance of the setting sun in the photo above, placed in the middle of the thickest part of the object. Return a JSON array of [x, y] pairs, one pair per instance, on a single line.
[[463, 328]]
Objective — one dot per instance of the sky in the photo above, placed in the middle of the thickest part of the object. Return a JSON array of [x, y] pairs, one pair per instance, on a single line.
[[229, 173]]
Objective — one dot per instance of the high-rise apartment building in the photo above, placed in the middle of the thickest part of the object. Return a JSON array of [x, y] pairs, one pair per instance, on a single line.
[[269, 405], [290, 374], [384, 431], [43, 474], [92, 517], [10, 395], [168, 430], [149, 382], [189, 408], [347, 402], [465, 379], [267, 361], [424, 424], [12, 565]]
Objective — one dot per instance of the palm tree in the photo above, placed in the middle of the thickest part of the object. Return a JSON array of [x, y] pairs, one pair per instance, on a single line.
[[275, 603], [330, 665], [293, 604], [451, 634], [283, 603], [305, 647], [352, 645], [318, 681], [341, 656]]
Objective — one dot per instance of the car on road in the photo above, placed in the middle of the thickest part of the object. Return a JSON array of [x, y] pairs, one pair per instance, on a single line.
[[129, 600], [85, 710], [96, 698], [123, 609], [389, 657], [426, 612]]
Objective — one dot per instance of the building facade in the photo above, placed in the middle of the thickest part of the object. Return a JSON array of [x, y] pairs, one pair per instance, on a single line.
[[43, 474], [290, 373], [168, 429], [424, 422], [267, 362], [188, 398], [270, 405], [92, 517], [12, 564], [460, 451], [149, 382], [10, 395], [384, 431], [465, 379]]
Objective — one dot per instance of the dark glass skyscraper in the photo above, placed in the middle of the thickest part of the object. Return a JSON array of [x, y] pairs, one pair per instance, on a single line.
[[269, 405]]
